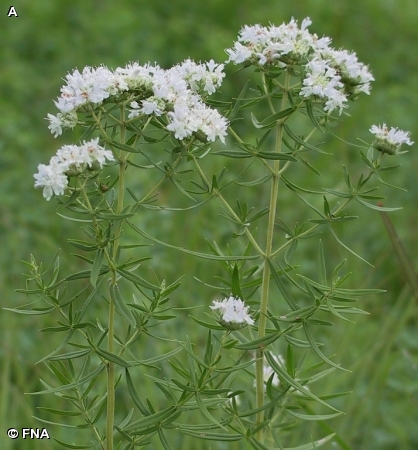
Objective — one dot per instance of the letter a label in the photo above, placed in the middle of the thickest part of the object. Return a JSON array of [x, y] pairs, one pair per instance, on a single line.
[[12, 12]]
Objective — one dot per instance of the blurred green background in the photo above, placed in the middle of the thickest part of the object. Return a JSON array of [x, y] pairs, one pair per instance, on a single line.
[[48, 39]]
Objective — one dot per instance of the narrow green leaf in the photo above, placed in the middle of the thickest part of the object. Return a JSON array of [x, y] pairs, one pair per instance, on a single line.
[[113, 217], [124, 147], [112, 357], [302, 141], [85, 274], [311, 340], [314, 445], [312, 416], [70, 355], [295, 188], [161, 357], [376, 207], [83, 245], [120, 304], [209, 436], [134, 395], [240, 98], [150, 420], [311, 114], [208, 325], [191, 252], [276, 156], [348, 248], [60, 412], [285, 376], [256, 182], [235, 283], [299, 342], [33, 312], [73, 219], [236, 367], [271, 121], [260, 342], [310, 166], [338, 193], [76, 384], [136, 279], [282, 289], [322, 271], [164, 440], [97, 265]]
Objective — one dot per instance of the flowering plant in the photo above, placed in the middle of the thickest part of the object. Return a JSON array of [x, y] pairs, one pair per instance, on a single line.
[[242, 386]]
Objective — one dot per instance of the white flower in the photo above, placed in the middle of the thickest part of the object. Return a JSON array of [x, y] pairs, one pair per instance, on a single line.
[[389, 141], [175, 92], [55, 124], [274, 45], [96, 156], [92, 85], [239, 53], [60, 121], [234, 313], [355, 76], [52, 179], [322, 81], [137, 77], [70, 160]]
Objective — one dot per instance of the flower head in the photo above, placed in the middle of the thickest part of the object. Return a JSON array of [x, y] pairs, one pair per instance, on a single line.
[[323, 82], [389, 141], [233, 313], [178, 93], [52, 179], [331, 75], [355, 76], [70, 160]]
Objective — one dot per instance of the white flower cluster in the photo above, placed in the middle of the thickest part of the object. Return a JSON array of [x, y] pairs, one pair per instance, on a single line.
[[389, 141], [176, 92], [234, 313], [330, 76], [70, 160]]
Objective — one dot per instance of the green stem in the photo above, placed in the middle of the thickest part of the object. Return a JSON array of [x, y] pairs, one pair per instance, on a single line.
[[262, 322], [111, 321]]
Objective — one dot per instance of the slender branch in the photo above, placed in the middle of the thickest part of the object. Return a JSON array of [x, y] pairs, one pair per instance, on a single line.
[[112, 310], [225, 203]]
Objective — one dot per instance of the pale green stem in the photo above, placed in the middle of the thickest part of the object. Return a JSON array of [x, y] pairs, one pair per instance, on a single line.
[[262, 321], [111, 321]]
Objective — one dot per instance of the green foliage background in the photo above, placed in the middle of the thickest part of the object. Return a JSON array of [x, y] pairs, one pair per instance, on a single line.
[[48, 39]]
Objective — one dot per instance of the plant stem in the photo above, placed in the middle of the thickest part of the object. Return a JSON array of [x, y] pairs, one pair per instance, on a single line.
[[262, 322], [110, 417]]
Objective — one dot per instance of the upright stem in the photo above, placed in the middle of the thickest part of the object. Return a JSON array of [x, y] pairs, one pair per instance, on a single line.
[[111, 323], [262, 322]]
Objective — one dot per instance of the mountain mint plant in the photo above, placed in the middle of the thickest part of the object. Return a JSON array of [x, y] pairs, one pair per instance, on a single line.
[[246, 387]]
